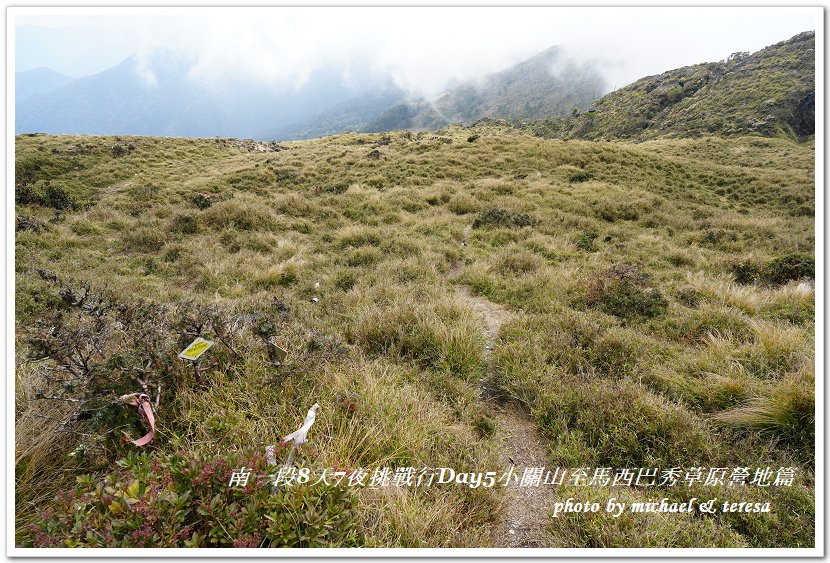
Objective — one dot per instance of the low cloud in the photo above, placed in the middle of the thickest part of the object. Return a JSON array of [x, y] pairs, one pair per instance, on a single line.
[[424, 49]]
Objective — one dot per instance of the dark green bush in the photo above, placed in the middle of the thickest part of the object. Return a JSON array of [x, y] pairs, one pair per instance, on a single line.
[[376, 183], [25, 195], [201, 201], [779, 271], [334, 189], [689, 296], [185, 224], [484, 425], [622, 291], [581, 176], [789, 268], [56, 197], [502, 218], [48, 195], [585, 241], [746, 272]]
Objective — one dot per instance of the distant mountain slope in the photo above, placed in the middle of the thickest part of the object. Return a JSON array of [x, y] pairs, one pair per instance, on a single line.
[[767, 92], [156, 95], [543, 86], [351, 115], [38, 81]]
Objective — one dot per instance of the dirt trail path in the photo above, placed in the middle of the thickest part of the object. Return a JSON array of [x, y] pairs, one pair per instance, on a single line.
[[525, 518]]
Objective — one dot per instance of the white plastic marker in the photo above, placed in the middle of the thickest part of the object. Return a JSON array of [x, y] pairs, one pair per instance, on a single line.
[[300, 437], [195, 349]]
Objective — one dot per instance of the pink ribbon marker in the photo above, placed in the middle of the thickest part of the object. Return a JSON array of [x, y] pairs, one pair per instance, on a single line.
[[142, 401]]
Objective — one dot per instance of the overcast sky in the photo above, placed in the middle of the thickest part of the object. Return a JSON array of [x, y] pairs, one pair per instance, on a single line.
[[423, 48]]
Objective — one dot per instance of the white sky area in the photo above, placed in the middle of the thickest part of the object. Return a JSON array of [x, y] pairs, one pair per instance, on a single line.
[[422, 48]]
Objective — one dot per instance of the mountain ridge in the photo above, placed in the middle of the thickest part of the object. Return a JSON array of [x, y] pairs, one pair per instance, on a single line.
[[768, 92]]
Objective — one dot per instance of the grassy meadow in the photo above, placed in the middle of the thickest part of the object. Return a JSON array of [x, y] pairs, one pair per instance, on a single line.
[[659, 312]]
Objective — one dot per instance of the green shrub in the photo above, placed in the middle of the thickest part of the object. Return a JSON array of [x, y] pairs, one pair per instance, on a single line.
[[746, 272], [333, 189], [581, 176], [496, 217], [56, 197], [778, 271], [585, 241], [689, 296], [622, 291], [26, 195], [789, 268], [675, 94], [376, 183], [180, 500], [48, 195], [201, 201], [184, 224], [484, 425]]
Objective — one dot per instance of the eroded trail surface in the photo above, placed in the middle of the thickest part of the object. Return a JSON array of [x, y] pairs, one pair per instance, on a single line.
[[525, 518]]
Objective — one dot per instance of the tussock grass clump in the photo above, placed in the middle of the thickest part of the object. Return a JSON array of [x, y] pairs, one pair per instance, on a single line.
[[356, 237], [614, 211], [144, 239], [699, 325], [515, 260], [441, 335], [463, 204], [237, 214], [786, 412], [618, 423]]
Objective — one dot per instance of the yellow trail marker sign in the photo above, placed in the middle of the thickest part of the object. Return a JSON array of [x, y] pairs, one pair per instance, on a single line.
[[195, 349]]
